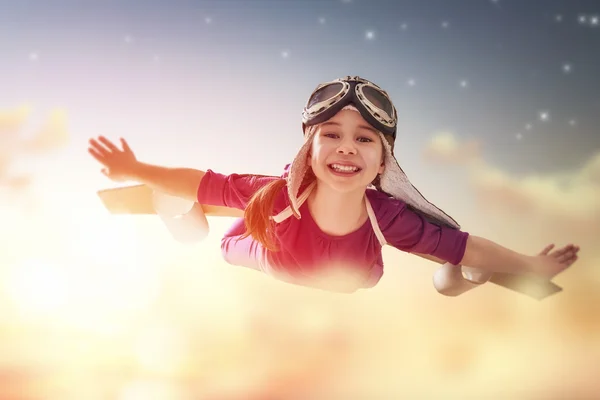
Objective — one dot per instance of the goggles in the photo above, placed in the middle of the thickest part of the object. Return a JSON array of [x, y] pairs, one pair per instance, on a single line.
[[372, 102]]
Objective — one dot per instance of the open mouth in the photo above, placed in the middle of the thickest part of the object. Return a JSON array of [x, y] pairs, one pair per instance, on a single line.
[[344, 169]]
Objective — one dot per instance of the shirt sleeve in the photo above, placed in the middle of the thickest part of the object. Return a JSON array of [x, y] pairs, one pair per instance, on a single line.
[[233, 191], [409, 231]]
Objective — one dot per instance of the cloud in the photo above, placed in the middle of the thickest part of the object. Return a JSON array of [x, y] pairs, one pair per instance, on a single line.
[[11, 123], [445, 149], [13, 120], [591, 171], [567, 200], [54, 134]]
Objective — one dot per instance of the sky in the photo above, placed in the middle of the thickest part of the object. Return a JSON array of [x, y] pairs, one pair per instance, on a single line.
[[499, 109]]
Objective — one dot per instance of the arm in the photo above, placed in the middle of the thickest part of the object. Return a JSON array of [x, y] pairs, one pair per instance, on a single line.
[[486, 255], [409, 231], [178, 182], [204, 187], [121, 164]]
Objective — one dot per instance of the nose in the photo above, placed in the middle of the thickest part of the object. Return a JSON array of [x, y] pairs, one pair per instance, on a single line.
[[347, 146]]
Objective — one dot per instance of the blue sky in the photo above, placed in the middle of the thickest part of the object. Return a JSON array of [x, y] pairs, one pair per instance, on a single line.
[[149, 71]]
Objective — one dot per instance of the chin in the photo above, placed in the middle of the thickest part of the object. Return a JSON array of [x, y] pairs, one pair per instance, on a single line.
[[345, 188]]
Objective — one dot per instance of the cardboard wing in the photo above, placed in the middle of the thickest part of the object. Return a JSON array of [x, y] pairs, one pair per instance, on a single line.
[[186, 221]]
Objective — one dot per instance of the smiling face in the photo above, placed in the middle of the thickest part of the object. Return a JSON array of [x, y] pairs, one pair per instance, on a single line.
[[346, 152]]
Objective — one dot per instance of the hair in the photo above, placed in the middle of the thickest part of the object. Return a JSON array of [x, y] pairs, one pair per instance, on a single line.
[[258, 212]]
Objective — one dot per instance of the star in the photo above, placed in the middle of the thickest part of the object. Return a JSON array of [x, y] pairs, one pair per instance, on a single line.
[[572, 122], [566, 68], [411, 82], [404, 26], [519, 136], [582, 19], [208, 20], [445, 24], [464, 83], [544, 115], [322, 20], [285, 54], [528, 127], [558, 18], [33, 56], [370, 35], [594, 21]]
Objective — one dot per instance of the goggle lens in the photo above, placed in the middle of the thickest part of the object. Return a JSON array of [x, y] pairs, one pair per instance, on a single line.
[[325, 93], [378, 100]]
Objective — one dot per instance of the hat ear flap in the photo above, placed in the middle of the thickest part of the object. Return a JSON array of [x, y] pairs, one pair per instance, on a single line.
[[394, 183], [391, 141], [300, 170]]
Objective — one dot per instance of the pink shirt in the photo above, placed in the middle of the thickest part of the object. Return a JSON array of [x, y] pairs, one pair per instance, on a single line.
[[306, 251]]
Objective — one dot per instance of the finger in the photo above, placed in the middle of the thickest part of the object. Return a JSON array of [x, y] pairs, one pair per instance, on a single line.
[[109, 145], [104, 171], [125, 145], [572, 260], [99, 148], [562, 251], [97, 155], [547, 249], [566, 257]]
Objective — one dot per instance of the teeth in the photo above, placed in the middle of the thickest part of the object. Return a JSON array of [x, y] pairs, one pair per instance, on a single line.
[[344, 168]]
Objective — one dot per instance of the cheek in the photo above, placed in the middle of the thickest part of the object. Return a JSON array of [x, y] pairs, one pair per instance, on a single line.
[[313, 154], [318, 151], [375, 158]]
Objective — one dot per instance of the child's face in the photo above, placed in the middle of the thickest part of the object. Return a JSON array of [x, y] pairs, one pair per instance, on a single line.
[[348, 140]]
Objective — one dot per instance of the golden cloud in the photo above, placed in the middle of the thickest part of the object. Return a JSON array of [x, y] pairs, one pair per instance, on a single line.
[[11, 121], [571, 198], [54, 133], [445, 149]]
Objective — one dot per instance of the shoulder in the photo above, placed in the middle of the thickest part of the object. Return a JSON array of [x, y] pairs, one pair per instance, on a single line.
[[384, 205], [231, 190], [255, 180]]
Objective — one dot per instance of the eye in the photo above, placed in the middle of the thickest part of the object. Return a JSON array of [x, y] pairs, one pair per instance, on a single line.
[[331, 135], [365, 139]]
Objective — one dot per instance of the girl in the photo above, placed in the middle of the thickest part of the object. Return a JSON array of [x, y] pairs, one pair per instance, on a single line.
[[324, 221]]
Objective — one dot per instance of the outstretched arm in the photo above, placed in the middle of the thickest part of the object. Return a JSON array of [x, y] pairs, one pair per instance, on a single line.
[[120, 164], [449, 280], [179, 182], [488, 256]]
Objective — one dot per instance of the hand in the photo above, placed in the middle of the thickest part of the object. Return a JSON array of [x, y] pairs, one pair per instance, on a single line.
[[549, 264], [119, 165]]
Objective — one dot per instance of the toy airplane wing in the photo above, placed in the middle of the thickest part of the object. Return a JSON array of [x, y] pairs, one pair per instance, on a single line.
[[538, 288], [138, 199], [185, 220]]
